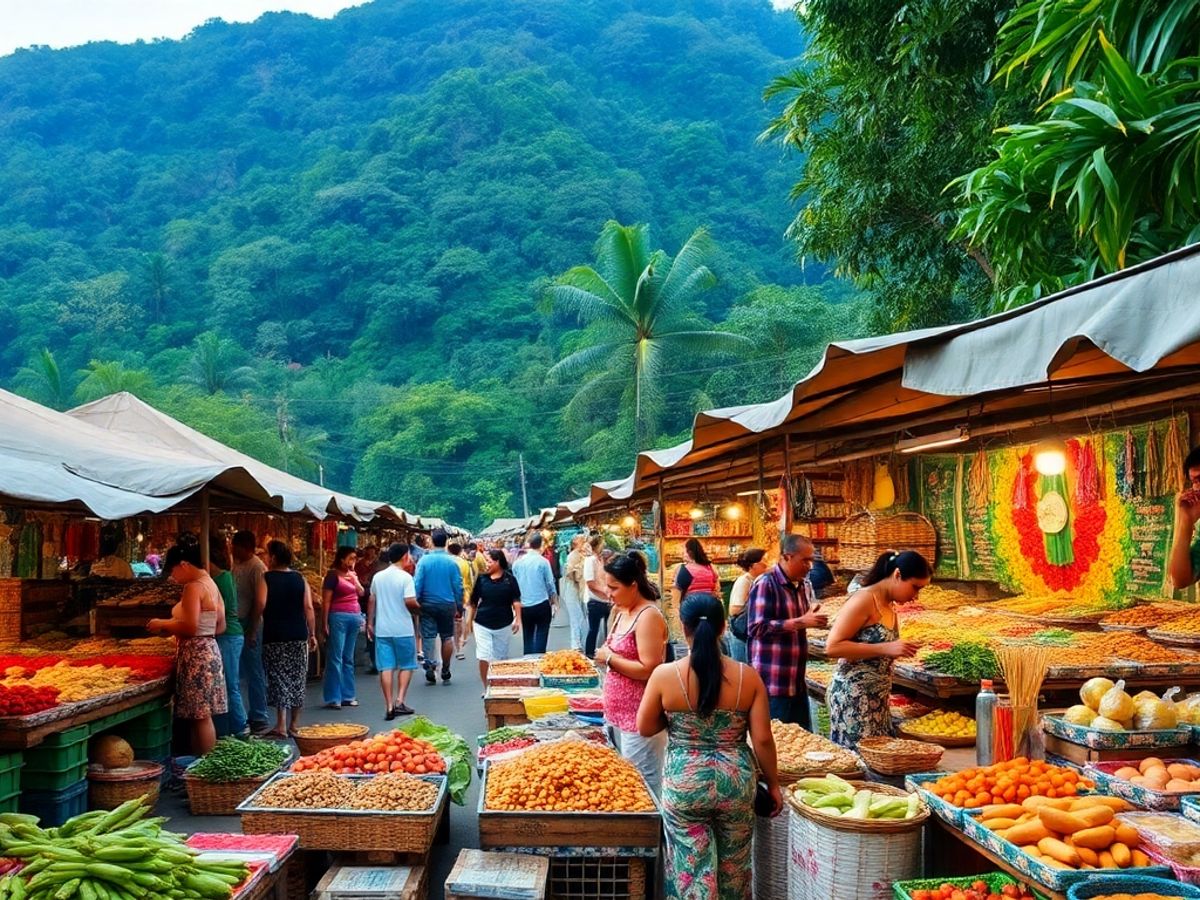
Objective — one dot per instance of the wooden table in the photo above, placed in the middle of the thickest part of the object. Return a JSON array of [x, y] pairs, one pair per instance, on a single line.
[[13, 737]]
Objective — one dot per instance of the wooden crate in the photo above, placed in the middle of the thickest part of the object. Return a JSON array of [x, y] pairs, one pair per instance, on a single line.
[[502, 711], [476, 867], [1081, 755], [504, 829], [25, 602], [346, 882]]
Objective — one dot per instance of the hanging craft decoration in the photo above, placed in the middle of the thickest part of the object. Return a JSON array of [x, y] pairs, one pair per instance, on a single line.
[[1172, 465]]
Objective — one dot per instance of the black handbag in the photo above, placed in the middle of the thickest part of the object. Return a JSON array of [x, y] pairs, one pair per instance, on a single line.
[[764, 806]]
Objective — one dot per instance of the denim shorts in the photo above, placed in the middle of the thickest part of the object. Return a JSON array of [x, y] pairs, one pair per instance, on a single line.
[[395, 653], [437, 620]]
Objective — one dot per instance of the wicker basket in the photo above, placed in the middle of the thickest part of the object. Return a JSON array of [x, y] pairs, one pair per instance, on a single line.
[[219, 798], [771, 855], [942, 740], [349, 829], [109, 788], [310, 745], [896, 756], [866, 535], [846, 859]]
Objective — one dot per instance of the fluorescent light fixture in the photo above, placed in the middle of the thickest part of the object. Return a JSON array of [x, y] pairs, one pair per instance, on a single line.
[[931, 441], [753, 493]]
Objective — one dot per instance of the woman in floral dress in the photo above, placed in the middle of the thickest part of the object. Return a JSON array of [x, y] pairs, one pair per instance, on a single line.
[[707, 703], [865, 639]]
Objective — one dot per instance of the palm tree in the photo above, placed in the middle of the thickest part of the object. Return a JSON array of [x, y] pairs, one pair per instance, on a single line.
[[212, 366], [42, 380], [636, 305], [103, 378]]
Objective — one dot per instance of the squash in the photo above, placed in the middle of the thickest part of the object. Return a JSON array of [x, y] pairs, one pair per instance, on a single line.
[[1098, 838], [112, 752]]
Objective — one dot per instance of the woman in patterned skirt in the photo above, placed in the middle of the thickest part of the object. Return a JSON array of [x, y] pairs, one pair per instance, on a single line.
[[288, 636], [195, 621], [707, 703], [865, 639]]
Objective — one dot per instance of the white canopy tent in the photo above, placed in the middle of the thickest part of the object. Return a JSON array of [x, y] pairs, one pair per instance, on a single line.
[[48, 458], [137, 422]]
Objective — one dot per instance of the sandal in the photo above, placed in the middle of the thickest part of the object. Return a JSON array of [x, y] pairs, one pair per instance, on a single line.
[[332, 706], [276, 733]]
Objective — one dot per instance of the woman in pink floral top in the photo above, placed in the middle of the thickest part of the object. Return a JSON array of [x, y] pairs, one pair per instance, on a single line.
[[636, 646]]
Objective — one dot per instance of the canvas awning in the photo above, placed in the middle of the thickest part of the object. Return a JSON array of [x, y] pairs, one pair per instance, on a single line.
[[50, 459], [137, 422], [1123, 343]]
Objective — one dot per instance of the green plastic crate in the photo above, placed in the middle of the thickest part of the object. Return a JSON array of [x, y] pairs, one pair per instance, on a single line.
[[902, 890], [146, 735], [152, 752], [9, 803], [61, 754], [33, 780], [10, 773], [108, 723]]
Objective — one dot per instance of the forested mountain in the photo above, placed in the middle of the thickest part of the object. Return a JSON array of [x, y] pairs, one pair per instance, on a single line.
[[327, 241]]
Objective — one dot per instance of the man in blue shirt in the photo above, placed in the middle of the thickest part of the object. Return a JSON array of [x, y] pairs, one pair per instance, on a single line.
[[539, 599], [439, 589]]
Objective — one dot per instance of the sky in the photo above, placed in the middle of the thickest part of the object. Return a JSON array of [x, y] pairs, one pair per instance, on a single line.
[[68, 23]]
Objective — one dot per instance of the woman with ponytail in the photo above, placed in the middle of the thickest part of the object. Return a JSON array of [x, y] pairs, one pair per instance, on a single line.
[[865, 640], [707, 703], [635, 647]]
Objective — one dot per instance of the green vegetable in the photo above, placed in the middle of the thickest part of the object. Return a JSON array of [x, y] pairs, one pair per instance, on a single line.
[[502, 734], [836, 797], [117, 855], [233, 759], [967, 661], [450, 745]]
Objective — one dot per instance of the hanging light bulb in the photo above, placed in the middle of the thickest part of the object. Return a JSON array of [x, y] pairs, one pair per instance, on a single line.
[[629, 521], [1050, 457], [733, 511], [696, 512]]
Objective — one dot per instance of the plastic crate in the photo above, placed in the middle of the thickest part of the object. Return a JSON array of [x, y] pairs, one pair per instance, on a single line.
[[1122, 883], [55, 807], [152, 752], [59, 752], [140, 734], [108, 723], [35, 780], [8, 803], [996, 881], [10, 773]]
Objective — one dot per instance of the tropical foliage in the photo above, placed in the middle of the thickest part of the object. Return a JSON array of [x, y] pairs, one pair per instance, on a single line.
[[1108, 172]]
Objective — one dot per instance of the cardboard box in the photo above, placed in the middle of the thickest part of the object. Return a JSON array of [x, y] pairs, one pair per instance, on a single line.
[[498, 876], [372, 883]]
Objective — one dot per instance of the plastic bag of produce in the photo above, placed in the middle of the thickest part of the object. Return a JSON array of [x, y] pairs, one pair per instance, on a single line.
[[1156, 714], [1093, 691], [1116, 704], [1188, 709], [1080, 715]]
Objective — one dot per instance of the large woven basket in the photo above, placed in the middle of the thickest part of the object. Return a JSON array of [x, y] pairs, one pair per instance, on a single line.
[[896, 756], [866, 535], [109, 788], [842, 859], [310, 745], [219, 798], [771, 856]]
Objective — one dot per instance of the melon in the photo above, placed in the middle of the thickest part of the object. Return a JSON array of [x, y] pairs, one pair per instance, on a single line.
[[112, 752]]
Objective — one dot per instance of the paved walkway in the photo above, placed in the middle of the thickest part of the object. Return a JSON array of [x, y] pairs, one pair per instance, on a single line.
[[456, 705]]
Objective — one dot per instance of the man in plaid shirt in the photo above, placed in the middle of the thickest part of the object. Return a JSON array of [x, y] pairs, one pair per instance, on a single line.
[[781, 608]]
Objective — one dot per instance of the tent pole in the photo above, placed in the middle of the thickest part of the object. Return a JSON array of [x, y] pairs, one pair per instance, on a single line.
[[320, 545], [204, 527]]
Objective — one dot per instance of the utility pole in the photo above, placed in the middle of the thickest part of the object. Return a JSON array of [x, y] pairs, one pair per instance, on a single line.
[[524, 494], [321, 473]]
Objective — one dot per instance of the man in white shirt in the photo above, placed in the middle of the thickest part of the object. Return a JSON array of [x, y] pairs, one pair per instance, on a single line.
[[390, 625]]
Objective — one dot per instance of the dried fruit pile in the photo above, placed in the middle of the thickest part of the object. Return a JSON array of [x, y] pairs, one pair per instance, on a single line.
[[566, 662], [567, 776]]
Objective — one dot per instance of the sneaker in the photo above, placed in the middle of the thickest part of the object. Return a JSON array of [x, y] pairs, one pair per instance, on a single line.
[[445, 676], [430, 675], [391, 714], [349, 703], [404, 710], [258, 729]]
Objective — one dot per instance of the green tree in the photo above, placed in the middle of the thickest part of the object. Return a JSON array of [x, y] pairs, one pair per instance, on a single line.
[[889, 103], [100, 379], [213, 366], [1105, 173], [495, 502], [638, 308], [42, 380]]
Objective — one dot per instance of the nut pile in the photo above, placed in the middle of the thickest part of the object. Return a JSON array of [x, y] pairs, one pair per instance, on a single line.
[[567, 776], [395, 792], [330, 730], [311, 790], [802, 751]]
